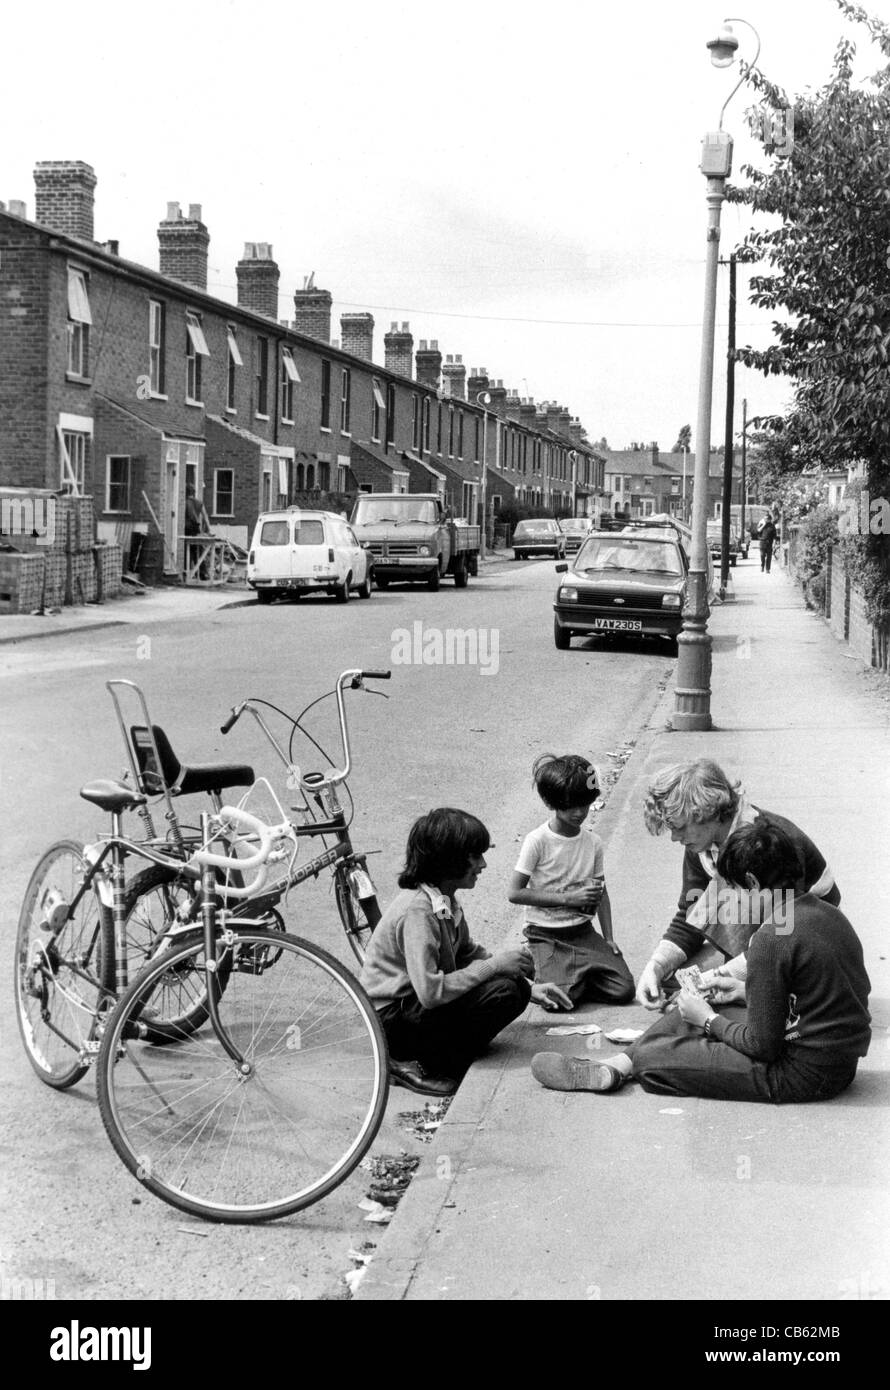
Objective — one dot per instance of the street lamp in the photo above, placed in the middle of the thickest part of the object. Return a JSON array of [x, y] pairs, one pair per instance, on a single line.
[[483, 399], [692, 705]]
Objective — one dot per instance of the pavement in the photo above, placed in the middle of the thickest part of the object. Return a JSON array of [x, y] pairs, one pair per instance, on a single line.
[[530, 1194], [141, 608]]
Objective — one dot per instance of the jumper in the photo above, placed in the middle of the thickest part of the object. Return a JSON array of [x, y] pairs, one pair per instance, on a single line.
[[700, 874], [807, 988], [422, 946], [558, 862]]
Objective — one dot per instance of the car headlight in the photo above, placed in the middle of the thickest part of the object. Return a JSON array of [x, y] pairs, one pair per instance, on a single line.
[[568, 595], [672, 601], [423, 550]]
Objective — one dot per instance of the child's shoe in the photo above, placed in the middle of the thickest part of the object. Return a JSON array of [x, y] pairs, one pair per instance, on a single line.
[[560, 1073], [415, 1077]]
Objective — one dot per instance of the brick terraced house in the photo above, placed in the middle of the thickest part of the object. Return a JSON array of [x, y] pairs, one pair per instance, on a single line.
[[130, 386]]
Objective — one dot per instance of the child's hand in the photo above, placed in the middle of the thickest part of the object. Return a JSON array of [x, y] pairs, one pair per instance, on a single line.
[[585, 897], [515, 963], [614, 948], [551, 997], [693, 1008]]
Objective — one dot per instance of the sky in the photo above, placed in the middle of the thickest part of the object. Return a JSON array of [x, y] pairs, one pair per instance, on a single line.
[[520, 183]]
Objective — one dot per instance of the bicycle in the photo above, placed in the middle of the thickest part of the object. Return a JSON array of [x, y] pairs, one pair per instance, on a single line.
[[273, 1105], [156, 895]]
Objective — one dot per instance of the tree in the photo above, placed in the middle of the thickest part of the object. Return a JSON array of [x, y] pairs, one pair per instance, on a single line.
[[828, 253], [684, 440]]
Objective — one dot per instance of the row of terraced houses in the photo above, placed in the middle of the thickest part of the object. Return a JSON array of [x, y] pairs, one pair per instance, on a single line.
[[130, 386]]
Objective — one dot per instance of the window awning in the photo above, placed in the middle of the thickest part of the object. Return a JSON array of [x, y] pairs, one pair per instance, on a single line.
[[378, 393], [196, 334], [290, 365], [233, 349], [78, 299]]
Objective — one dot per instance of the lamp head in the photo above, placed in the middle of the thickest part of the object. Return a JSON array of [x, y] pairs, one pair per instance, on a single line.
[[484, 398], [723, 48]]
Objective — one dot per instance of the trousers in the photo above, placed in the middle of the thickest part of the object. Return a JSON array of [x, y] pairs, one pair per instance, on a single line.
[[447, 1039], [674, 1058], [581, 962]]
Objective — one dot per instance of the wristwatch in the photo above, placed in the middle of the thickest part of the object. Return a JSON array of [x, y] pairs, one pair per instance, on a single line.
[[708, 1022]]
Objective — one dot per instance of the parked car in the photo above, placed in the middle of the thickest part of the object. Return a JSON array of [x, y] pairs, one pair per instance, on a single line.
[[538, 536], [715, 540], [413, 536], [653, 527], [632, 582], [295, 552], [576, 529]]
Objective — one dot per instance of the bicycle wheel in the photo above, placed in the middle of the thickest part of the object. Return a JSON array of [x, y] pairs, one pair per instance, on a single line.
[[179, 1001], [64, 962], [229, 1145], [358, 915]]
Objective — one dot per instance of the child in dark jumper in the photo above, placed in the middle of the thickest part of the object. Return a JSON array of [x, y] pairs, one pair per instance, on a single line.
[[559, 879]]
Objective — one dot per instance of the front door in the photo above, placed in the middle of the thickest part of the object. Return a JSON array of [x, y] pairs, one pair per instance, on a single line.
[[171, 516]]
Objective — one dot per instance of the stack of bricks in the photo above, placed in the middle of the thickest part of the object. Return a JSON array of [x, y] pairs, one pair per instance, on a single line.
[[61, 562], [21, 582]]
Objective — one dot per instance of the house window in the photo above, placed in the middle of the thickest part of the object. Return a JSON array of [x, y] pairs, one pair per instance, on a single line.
[[235, 361], [390, 413], [223, 492], [73, 461], [425, 441], [415, 423], [79, 321], [451, 432], [476, 438], [460, 434], [324, 476], [466, 502], [262, 377], [326, 395], [157, 345], [378, 407], [647, 484], [195, 348], [675, 486], [117, 483], [290, 378], [439, 430], [345, 398]]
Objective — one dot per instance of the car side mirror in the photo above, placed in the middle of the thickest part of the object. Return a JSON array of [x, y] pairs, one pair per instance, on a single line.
[[561, 568]]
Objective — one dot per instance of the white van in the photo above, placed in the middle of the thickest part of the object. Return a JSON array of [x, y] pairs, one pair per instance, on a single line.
[[295, 552]]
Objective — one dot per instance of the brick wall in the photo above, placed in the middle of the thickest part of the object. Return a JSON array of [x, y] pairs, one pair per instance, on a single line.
[[24, 307], [860, 633]]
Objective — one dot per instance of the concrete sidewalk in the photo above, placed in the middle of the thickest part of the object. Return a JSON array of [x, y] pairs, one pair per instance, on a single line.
[[535, 1194], [163, 604]]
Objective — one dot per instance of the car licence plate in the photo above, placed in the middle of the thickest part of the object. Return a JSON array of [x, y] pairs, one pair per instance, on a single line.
[[619, 624]]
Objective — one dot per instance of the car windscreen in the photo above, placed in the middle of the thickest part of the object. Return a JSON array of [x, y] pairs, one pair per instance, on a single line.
[[370, 511], [275, 533], [526, 528], [626, 553], [309, 533]]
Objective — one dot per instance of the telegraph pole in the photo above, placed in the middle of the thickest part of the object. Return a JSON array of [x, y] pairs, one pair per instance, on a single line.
[[729, 435]]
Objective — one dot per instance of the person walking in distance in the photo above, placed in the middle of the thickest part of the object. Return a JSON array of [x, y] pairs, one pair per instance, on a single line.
[[768, 537]]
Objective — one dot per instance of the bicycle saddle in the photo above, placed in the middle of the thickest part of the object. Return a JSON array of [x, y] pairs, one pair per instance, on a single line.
[[111, 796], [174, 776]]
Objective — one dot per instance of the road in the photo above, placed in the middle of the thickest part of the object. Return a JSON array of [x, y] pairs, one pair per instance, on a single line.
[[458, 734]]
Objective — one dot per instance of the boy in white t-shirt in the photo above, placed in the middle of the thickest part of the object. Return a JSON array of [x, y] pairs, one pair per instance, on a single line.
[[559, 879]]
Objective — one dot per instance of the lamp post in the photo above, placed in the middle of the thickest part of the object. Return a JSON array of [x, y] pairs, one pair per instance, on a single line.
[[692, 705], [483, 399]]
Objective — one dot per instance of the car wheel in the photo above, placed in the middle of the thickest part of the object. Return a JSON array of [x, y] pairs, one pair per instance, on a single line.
[[461, 575], [341, 591], [265, 595], [434, 578], [561, 636], [364, 590]]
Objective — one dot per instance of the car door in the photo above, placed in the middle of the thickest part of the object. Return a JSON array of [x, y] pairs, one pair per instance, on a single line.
[[359, 557]]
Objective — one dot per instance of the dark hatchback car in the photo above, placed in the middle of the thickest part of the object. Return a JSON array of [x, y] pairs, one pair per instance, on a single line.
[[622, 582], [538, 536]]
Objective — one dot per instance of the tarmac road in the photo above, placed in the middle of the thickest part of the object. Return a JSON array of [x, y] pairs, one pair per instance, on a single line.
[[449, 734]]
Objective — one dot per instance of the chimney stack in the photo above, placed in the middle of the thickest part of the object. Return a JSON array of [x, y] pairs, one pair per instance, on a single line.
[[312, 311], [428, 363], [357, 335], [576, 432], [257, 276], [399, 350], [528, 413], [183, 243], [498, 397], [512, 406], [65, 197], [564, 423], [455, 377], [477, 381]]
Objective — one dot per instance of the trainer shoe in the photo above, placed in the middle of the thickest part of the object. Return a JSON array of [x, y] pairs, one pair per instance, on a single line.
[[415, 1077], [560, 1073]]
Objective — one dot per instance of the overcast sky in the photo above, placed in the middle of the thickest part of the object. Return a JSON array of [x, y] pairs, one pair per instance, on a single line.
[[519, 182]]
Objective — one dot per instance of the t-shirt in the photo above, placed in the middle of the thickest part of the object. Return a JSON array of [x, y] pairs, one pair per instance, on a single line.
[[557, 862]]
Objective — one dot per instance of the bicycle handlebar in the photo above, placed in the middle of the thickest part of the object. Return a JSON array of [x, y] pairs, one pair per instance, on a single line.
[[242, 820]]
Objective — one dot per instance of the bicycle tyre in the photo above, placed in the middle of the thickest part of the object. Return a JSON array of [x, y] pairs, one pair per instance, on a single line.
[[227, 1147], [354, 915], [179, 1003], [61, 975]]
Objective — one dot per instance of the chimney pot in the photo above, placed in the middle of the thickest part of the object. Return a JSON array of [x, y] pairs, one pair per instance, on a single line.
[[194, 212], [18, 208], [404, 327], [173, 212], [434, 345]]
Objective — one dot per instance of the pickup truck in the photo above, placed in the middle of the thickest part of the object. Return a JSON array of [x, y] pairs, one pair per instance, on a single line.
[[412, 536]]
